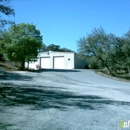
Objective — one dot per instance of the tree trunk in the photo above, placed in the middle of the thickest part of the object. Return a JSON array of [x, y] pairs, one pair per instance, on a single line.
[[22, 65], [128, 69], [109, 71], [106, 65]]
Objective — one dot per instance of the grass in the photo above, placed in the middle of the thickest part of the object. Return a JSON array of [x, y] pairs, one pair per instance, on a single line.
[[7, 67], [119, 76]]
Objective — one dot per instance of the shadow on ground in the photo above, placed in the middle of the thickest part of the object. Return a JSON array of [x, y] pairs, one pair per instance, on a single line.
[[13, 76], [3, 126], [55, 70], [43, 97]]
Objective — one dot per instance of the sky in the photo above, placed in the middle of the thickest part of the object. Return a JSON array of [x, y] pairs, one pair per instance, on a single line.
[[64, 22]]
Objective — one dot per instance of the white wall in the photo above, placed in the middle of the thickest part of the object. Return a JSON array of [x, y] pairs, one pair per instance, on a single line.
[[71, 60], [31, 65], [68, 58]]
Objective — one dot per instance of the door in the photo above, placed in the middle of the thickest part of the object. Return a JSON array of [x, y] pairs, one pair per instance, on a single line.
[[59, 62], [45, 63]]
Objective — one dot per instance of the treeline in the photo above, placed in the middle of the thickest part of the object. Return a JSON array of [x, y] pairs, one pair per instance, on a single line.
[[106, 51], [53, 47]]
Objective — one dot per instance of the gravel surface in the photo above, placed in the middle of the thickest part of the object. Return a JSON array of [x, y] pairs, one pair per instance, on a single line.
[[62, 100]]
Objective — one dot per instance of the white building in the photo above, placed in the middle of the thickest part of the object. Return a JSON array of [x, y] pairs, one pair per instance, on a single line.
[[58, 60]]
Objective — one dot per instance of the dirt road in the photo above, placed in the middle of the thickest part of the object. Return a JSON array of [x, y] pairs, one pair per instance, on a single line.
[[62, 100]]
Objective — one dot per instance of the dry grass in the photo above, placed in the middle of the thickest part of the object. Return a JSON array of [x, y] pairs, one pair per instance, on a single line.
[[7, 67], [121, 77]]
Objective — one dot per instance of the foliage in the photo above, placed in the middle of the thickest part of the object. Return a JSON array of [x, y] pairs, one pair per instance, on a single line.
[[23, 43], [53, 47], [5, 9], [65, 50], [4, 38], [106, 51]]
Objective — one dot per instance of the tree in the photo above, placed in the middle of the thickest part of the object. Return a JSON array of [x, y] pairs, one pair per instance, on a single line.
[[97, 45], [4, 38], [5, 9], [53, 47], [106, 51], [65, 50], [43, 48], [121, 54], [24, 43], [126, 50]]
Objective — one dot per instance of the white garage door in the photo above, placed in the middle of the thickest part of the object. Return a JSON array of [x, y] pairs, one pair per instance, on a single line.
[[45, 63], [59, 63]]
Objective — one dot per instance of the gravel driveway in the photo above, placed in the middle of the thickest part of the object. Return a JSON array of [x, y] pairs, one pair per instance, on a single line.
[[62, 100]]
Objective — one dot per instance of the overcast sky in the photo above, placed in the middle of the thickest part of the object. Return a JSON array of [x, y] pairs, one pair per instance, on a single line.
[[63, 22]]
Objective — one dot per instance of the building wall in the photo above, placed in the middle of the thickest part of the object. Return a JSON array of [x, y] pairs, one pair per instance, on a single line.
[[31, 65], [71, 61], [80, 63], [68, 58]]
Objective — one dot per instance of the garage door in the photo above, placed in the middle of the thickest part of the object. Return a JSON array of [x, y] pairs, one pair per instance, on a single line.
[[45, 63], [59, 63]]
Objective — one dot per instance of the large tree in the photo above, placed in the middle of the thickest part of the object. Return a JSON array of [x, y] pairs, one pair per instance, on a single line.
[[24, 42], [97, 45], [106, 51]]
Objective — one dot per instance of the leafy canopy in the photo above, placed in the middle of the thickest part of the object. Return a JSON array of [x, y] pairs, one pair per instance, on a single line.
[[53, 47], [24, 43], [106, 50]]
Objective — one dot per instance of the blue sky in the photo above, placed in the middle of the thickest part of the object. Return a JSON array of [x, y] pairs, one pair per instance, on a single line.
[[63, 22]]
